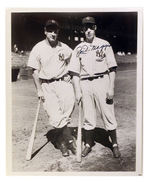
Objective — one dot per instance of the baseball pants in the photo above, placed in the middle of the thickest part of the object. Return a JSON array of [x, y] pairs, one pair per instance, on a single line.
[[94, 94], [59, 102]]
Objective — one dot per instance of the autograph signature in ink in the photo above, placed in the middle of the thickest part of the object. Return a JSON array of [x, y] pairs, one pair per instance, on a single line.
[[84, 49]]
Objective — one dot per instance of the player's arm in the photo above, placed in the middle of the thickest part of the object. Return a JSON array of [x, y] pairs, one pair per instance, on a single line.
[[74, 71], [37, 83], [67, 57], [112, 67], [112, 76], [76, 86], [34, 63]]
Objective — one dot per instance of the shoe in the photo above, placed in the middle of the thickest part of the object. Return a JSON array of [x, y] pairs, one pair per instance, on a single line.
[[64, 150], [116, 152], [86, 151], [72, 146]]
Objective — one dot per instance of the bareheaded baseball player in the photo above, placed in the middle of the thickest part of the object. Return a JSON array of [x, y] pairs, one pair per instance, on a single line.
[[49, 59], [93, 67]]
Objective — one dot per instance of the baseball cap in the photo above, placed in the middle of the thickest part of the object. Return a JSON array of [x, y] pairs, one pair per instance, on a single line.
[[88, 20], [51, 25]]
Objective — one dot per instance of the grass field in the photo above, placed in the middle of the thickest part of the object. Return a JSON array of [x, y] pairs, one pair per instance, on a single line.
[[49, 159]]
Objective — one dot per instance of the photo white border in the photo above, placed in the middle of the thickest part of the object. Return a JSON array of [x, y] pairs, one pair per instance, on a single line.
[[139, 120]]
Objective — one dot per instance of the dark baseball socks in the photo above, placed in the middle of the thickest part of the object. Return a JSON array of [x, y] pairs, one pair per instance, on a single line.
[[89, 142], [89, 137], [115, 148], [66, 133], [113, 136], [67, 138]]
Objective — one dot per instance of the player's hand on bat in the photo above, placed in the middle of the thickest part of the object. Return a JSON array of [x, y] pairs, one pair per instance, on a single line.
[[67, 78], [110, 94], [41, 95]]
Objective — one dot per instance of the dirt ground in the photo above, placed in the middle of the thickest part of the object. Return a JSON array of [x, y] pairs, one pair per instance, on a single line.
[[47, 158]]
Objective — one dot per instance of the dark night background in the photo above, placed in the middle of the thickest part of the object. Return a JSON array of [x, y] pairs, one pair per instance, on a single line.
[[119, 28]]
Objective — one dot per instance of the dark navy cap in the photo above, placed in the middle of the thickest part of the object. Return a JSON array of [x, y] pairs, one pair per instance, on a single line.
[[88, 20], [52, 24]]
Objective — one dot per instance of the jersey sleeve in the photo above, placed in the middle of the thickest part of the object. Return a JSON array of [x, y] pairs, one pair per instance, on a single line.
[[111, 61], [34, 58], [65, 51], [74, 65], [68, 52]]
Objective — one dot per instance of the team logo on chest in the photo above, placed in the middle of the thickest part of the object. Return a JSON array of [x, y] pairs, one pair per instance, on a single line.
[[61, 56], [100, 53]]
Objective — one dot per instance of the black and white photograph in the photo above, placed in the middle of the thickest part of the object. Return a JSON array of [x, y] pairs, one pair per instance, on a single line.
[[75, 91]]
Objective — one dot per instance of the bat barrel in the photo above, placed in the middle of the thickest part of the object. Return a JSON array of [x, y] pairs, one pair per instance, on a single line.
[[31, 142]]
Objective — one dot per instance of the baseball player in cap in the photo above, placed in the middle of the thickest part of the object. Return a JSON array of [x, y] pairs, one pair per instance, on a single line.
[[93, 67], [49, 59]]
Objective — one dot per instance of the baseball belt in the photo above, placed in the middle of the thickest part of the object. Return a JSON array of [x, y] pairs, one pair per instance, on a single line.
[[96, 76], [52, 80]]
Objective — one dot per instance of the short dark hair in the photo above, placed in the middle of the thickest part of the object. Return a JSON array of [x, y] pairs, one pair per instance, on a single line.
[[51, 24]]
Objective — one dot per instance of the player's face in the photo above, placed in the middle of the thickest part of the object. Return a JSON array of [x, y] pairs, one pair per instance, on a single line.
[[89, 30], [52, 33]]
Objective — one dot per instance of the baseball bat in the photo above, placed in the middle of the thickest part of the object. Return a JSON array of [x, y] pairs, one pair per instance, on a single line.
[[79, 137], [31, 141]]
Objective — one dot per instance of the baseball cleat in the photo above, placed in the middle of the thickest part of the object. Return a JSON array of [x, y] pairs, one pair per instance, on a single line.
[[86, 151], [64, 150], [116, 152], [72, 146]]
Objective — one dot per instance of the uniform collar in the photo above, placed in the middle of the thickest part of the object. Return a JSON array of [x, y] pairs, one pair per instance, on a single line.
[[58, 43], [94, 39]]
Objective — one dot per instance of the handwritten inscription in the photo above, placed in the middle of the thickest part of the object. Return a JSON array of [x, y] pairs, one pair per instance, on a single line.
[[84, 49]]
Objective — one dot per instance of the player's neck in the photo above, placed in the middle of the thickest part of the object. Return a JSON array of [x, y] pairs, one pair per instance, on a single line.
[[90, 40], [53, 44]]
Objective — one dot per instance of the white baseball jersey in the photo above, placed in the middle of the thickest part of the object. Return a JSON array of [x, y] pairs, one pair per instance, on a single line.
[[50, 61], [91, 58], [87, 60]]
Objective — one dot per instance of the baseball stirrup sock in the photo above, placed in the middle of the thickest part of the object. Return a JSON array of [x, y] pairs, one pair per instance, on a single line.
[[89, 137], [113, 136], [67, 133]]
